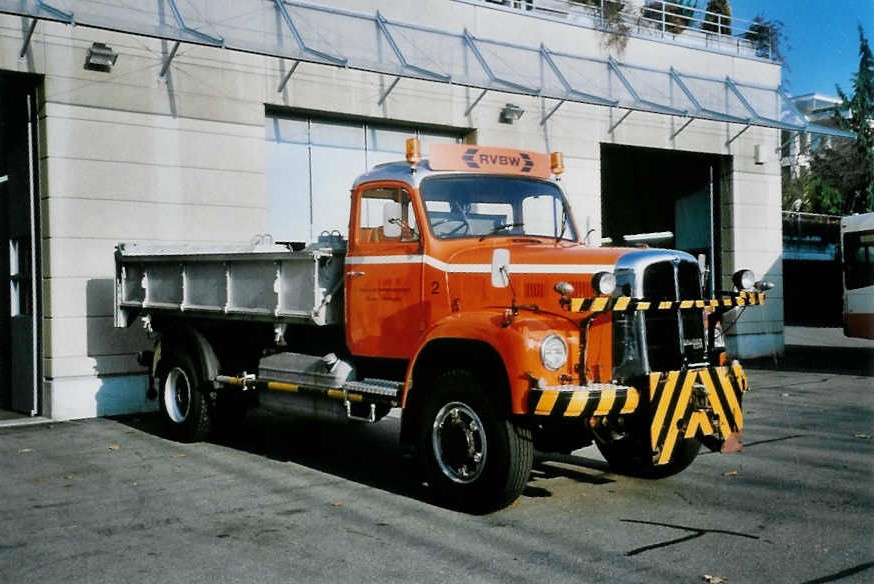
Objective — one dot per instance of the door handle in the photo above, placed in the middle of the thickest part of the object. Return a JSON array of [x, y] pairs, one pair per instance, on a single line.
[[354, 274]]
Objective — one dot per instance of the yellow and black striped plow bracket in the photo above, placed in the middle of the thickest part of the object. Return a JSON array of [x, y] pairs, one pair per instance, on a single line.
[[583, 401], [628, 304], [697, 402]]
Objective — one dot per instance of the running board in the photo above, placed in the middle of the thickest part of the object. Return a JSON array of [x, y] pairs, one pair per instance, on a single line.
[[382, 389], [366, 391]]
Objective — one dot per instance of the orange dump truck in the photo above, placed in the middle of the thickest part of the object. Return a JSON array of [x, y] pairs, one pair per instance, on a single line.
[[465, 297]]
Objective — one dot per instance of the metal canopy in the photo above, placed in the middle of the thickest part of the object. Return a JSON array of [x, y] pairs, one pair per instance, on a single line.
[[311, 33]]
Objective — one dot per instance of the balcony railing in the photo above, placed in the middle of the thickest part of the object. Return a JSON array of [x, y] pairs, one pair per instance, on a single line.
[[667, 21]]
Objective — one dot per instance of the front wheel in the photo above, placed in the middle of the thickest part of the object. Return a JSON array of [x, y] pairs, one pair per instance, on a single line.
[[475, 459], [183, 404], [631, 454]]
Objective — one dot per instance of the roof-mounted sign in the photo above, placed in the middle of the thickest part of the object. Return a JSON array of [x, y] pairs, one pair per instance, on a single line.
[[489, 159]]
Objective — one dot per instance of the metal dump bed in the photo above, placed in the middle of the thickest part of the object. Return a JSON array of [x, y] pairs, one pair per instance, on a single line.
[[269, 283]]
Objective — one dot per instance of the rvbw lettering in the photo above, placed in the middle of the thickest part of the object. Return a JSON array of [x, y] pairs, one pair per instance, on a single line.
[[499, 159]]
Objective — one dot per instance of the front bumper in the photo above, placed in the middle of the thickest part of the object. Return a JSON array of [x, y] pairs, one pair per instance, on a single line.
[[703, 403]]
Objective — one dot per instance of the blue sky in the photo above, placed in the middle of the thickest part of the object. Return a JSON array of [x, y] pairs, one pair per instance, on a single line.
[[823, 38]]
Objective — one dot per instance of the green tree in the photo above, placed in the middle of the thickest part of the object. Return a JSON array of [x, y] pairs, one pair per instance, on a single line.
[[718, 17], [858, 183], [840, 180], [674, 16], [768, 38]]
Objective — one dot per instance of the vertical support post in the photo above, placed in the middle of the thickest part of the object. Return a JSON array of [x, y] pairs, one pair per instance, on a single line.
[[551, 112], [27, 37], [712, 213], [169, 59], [287, 77], [475, 102], [391, 87]]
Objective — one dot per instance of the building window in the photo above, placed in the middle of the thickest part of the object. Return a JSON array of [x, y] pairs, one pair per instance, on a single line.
[[312, 163]]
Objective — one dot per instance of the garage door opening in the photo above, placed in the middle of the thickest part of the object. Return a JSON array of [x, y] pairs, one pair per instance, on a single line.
[[20, 292], [665, 198]]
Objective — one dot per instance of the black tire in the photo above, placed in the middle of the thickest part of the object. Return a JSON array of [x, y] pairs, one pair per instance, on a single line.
[[475, 459], [184, 405], [632, 455]]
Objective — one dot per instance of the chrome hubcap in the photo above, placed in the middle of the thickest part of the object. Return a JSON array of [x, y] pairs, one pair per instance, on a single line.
[[459, 442], [177, 395]]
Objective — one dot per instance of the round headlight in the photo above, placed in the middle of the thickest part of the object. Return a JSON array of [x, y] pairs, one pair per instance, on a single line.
[[604, 283], [744, 279], [553, 352]]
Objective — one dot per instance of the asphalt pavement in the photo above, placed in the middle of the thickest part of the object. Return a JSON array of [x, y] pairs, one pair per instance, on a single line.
[[290, 500]]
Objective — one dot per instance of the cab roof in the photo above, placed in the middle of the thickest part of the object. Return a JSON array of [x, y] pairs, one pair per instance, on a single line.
[[400, 171]]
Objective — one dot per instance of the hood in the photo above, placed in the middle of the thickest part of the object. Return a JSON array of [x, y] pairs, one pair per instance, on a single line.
[[530, 255], [534, 267]]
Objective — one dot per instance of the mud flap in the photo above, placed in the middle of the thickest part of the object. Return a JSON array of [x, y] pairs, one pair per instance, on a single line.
[[700, 403]]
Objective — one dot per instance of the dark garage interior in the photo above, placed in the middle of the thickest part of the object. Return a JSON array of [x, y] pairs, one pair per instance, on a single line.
[[651, 191]]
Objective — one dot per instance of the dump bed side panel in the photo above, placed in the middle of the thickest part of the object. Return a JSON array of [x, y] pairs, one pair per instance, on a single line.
[[263, 283]]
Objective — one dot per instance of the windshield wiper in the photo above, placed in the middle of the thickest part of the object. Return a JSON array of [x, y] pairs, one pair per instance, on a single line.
[[501, 227], [564, 219]]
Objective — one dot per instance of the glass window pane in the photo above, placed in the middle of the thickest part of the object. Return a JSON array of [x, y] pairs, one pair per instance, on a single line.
[[376, 206], [287, 131], [288, 192], [427, 139], [859, 259], [383, 140], [337, 135], [542, 214], [334, 170], [311, 166]]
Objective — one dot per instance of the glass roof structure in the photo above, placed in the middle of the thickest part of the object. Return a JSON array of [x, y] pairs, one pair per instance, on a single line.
[[311, 33]]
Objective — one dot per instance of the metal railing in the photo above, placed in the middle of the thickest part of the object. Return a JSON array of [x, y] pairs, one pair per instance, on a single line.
[[671, 22]]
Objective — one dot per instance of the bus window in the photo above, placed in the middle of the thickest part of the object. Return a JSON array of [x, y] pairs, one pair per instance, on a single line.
[[859, 259]]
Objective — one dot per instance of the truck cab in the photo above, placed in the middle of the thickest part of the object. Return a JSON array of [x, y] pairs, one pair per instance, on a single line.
[[466, 266]]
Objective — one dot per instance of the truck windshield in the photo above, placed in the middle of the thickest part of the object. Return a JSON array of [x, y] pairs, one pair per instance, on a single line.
[[483, 206]]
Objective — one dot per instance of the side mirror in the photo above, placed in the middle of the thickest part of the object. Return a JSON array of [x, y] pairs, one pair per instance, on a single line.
[[391, 219], [501, 268]]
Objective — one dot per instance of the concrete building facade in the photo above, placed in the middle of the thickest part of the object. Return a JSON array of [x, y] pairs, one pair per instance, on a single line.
[[201, 142]]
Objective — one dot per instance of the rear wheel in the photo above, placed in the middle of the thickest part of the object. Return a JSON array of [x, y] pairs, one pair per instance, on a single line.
[[475, 458], [183, 404]]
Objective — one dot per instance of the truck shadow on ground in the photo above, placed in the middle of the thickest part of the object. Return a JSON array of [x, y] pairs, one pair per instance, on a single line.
[[368, 454]]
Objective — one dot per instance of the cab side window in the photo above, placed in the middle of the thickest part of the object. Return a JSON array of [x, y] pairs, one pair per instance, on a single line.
[[386, 216]]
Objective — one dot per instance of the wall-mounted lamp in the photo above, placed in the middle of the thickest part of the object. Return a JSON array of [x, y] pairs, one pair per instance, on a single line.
[[510, 113], [758, 156], [100, 57]]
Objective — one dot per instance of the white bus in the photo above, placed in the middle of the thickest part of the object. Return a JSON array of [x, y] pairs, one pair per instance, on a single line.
[[857, 253]]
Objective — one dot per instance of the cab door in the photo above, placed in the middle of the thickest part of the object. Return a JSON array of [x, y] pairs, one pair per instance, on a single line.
[[383, 273]]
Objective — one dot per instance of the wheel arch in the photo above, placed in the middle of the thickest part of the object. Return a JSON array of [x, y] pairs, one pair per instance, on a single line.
[[181, 337], [477, 356]]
